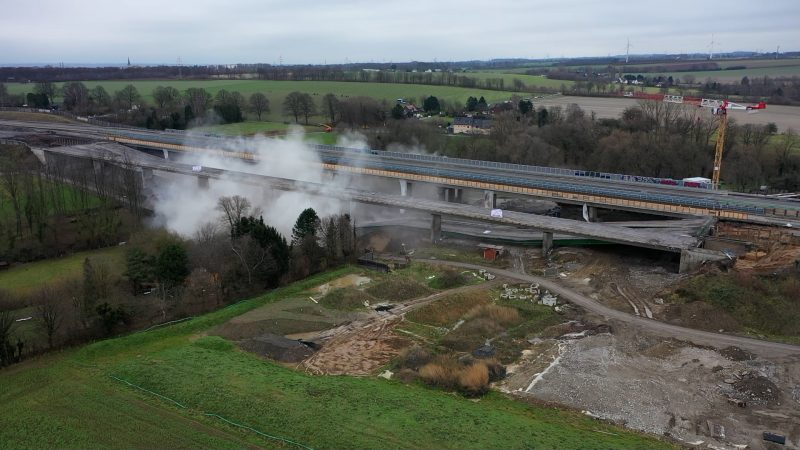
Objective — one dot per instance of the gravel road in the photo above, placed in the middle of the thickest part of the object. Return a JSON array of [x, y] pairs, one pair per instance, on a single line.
[[719, 340]]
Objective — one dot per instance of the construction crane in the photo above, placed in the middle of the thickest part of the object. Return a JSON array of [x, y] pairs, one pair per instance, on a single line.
[[719, 108]]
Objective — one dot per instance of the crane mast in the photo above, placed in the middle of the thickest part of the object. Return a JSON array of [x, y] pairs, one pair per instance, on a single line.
[[718, 108], [721, 130]]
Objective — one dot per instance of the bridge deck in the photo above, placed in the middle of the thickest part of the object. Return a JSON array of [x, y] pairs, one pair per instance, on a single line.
[[648, 238]]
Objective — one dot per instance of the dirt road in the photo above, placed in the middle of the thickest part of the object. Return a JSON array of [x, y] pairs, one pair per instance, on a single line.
[[758, 347]]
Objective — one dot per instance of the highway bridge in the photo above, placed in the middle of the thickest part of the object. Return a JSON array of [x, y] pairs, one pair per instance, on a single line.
[[602, 190], [652, 238]]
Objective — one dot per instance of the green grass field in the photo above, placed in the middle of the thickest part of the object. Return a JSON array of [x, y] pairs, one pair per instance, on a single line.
[[252, 127], [734, 75], [70, 195], [529, 80], [70, 400], [25, 278], [276, 91]]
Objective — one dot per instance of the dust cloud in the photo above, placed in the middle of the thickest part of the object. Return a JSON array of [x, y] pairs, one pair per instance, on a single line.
[[182, 206]]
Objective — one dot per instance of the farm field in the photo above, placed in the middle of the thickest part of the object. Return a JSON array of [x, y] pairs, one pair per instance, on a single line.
[[70, 195], [734, 75], [176, 387], [276, 91], [24, 278], [508, 78]]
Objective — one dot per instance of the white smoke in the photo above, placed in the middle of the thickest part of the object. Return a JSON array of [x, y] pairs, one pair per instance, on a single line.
[[182, 206]]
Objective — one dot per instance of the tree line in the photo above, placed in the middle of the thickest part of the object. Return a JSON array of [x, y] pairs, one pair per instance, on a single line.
[[65, 205], [168, 277], [654, 139]]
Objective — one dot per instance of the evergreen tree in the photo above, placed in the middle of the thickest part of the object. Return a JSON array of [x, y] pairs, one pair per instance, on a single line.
[[306, 225]]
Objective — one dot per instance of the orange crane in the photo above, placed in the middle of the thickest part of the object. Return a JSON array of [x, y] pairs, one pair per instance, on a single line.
[[719, 108]]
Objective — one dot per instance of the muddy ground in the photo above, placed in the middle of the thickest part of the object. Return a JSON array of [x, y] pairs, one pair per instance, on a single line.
[[703, 397], [665, 387]]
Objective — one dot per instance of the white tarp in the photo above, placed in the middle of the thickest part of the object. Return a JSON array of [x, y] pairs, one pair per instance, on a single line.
[[586, 212], [197, 168], [497, 213]]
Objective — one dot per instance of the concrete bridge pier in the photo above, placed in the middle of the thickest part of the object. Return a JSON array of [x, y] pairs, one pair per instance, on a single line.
[[202, 182], [592, 210], [547, 242], [436, 228], [489, 199], [405, 188], [452, 195], [166, 153]]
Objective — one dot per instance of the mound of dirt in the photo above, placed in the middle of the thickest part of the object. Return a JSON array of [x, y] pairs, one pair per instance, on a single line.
[[756, 389], [779, 257], [278, 348], [736, 354]]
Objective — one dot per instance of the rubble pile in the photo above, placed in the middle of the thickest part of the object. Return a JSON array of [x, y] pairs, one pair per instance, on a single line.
[[532, 293]]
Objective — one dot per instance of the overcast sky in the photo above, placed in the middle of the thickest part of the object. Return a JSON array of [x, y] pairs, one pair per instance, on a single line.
[[336, 31]]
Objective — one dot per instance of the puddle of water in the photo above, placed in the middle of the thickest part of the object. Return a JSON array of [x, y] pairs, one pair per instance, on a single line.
[[349, 280]]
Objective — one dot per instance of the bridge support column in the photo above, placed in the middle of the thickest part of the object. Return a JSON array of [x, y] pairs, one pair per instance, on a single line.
[[547, 242], [202, 182], [405, 188], [592, 214], [489, 199], [436, 228], [147, 176], [451, 194], [166, 153]]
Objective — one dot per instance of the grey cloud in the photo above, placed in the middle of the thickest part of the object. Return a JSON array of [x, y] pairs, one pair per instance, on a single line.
[[204, 31]]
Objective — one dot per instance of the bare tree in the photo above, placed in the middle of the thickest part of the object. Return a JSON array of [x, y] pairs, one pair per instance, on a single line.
[[251, 255], [331, 106], [128, 97], [100, 98], [292, 105], [166, 98], [11, 174], [48, 312], [308, 107], [198, 100], [47, 88], [3, 94], [234, 208], [259, 104], [76, 97]]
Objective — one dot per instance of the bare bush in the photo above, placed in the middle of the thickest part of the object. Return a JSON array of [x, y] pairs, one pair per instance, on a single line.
[[503, 315], [474, 379], [414, 358]]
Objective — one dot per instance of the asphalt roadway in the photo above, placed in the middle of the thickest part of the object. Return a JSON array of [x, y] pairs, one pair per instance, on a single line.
[[719, 340], [784, 117]]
